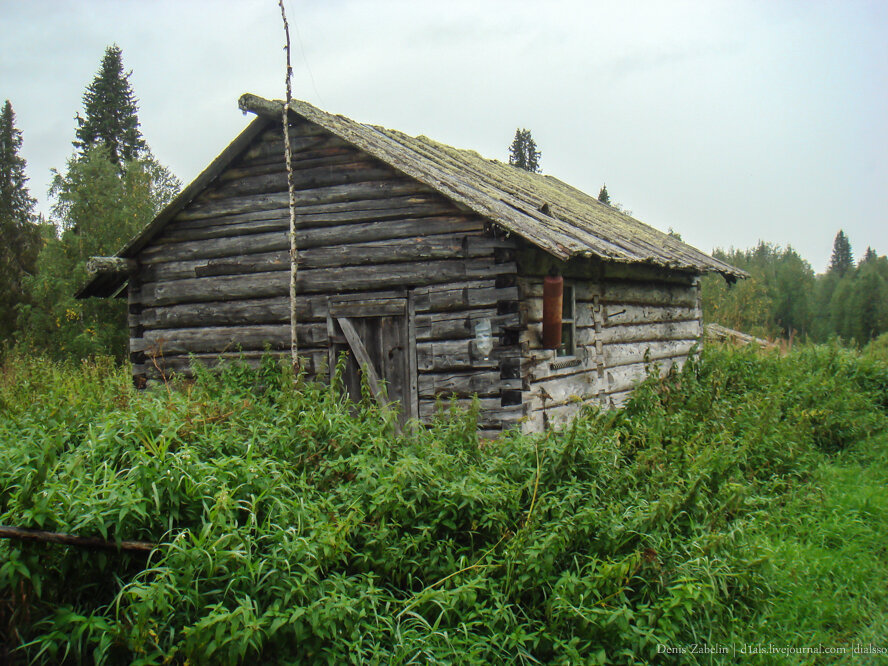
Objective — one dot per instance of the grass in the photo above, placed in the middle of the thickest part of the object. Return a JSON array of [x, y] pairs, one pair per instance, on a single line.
[[829, 557], [738, 500]]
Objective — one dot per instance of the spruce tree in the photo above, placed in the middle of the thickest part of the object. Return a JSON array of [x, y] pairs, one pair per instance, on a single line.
[[603, 196], [111, 112], [842, 259], [18, 234], [523, 152]]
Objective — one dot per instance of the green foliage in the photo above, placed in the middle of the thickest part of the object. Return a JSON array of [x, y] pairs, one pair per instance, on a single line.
[[19, 235], [603, 196], [523, 152], [99, 208], [774, 300], [295, 527], [842, 260], [827, 540], [783, 297], [111, 110]]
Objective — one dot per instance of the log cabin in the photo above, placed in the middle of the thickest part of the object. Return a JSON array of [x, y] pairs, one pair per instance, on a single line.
[[439, 274]]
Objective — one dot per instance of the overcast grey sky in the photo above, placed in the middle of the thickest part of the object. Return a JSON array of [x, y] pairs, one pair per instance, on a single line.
[[728, 121]]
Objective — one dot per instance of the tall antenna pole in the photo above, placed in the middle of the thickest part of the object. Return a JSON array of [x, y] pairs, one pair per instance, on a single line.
[[294, 252]]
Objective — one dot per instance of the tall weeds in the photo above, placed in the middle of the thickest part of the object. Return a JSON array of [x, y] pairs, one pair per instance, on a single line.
[[294, 527]]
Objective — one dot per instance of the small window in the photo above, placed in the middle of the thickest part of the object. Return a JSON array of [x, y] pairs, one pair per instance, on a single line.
[[568, 323]]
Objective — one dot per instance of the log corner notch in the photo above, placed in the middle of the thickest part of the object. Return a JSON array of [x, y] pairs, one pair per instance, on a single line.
[[107, 275], [110, 266]]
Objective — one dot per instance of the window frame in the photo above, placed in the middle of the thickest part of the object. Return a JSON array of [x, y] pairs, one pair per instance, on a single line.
[[568, 296]]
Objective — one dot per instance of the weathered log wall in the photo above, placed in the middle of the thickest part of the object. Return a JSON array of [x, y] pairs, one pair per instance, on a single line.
[[627, 318], [214, 283]]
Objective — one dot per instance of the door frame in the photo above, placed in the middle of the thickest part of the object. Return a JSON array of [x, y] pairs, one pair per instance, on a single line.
[[342, 308]]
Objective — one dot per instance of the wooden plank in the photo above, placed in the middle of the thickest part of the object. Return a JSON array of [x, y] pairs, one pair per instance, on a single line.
[[362, 357]]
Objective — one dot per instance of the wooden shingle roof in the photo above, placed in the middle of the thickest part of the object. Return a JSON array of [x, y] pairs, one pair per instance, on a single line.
[[549, 213]]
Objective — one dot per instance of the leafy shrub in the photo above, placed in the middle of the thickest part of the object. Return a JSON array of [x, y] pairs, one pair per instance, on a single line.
[[295, 527]]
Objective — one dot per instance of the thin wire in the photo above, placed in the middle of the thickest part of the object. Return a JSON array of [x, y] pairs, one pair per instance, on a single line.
[[305, 60]]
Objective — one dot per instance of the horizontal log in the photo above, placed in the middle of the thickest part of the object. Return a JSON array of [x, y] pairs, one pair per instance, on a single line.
[[309, 155], [216, 248], [464, 384], [431, 324], [338, 193], [577, 387], [251, 168], [274, 147], [216, 313], [379, 276], [262, 262], [182, 233], [303, 179], [672, 330], [618, 399], [217, 288], [91, 543], [461, 295], [534, 262], [634, 352], [212, 339], [621, 292], [310, 360], [641, 333], [461, 324], [211, 242], [554, 417], [612, 271], [412, 206], [624, 314], [296, 127], [491, 413], [445, 246], [452, 355], [110, 265]]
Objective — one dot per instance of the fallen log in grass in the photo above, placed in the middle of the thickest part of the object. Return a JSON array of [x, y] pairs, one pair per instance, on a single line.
[[43, 536]]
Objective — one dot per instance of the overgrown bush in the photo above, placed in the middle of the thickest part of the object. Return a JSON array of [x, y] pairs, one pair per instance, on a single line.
[[293, 527]]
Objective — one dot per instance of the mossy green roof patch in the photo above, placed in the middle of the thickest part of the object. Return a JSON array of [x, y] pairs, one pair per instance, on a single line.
[[549, 213]]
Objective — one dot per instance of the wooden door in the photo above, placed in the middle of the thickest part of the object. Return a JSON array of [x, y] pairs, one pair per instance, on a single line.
[[378, 335]]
